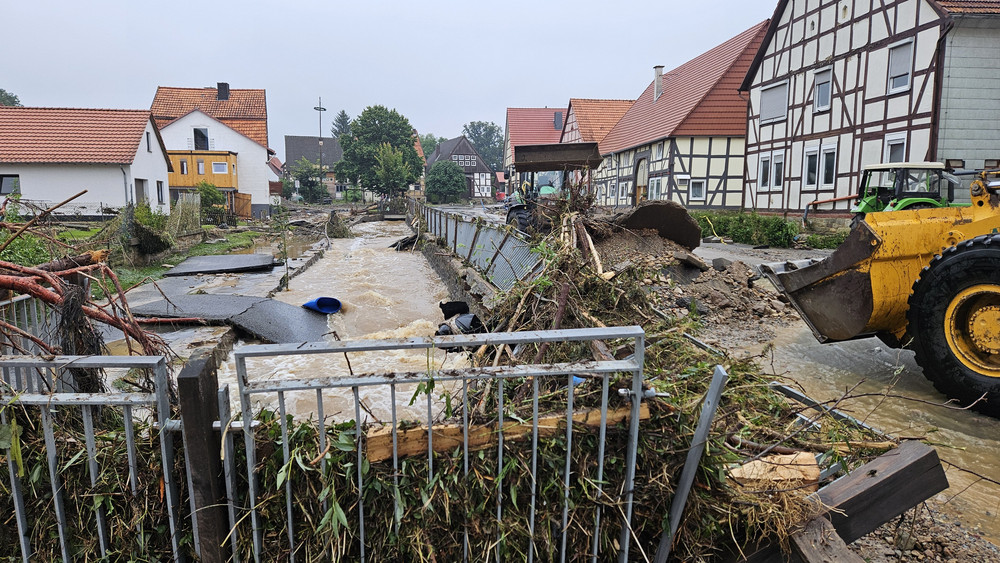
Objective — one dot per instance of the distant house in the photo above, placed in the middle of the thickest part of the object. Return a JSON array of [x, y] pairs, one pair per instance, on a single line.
[[205, 120], [478, 175], [589, 121], [836, 86], [50, 154], [683, 139], [530, 126], [323, 151]]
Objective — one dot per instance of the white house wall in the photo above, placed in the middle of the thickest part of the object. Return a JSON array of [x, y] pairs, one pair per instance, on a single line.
[[970, 105], [853, 41], [716, 162], [251, 157], [107, 185]]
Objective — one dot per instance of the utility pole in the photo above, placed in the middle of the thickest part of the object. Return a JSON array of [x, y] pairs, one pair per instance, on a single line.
[[319, 110]]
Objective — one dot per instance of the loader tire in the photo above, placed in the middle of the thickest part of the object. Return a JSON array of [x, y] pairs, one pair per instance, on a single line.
[[520, 219], [954, 321]]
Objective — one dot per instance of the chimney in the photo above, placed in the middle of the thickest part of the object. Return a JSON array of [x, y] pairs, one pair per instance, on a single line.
[[657, 82], [223, 91], [557, 121]]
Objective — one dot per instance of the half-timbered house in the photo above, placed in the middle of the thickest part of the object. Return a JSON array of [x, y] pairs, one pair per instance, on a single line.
[[840, 84], [478, 175], [683, 138]]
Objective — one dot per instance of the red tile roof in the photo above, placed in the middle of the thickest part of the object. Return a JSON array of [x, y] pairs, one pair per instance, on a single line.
[[70, 135], [534, 126], [596, 118], [699, 97], [971, 6], [245, 110]]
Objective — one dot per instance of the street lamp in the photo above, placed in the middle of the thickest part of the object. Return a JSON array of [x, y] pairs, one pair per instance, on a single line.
[[320, 109]]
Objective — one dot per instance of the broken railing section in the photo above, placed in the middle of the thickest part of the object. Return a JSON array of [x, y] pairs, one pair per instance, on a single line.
[[501, 254]]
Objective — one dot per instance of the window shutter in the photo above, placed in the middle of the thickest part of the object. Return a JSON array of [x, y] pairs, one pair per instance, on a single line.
[[899, 59], [774, 102], [211, 144]]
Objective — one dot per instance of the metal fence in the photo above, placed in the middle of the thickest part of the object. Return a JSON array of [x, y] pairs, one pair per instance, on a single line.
[[34, 318], [253, 387], [501, 254], [39, 392]]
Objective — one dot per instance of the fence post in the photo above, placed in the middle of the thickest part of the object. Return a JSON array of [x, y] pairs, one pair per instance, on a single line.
[[197, 390]]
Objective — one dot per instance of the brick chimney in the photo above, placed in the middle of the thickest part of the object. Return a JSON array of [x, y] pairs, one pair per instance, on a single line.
[[657, 82], [222, 91]]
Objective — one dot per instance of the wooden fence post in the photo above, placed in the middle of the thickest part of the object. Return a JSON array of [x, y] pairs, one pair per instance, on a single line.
[[197, 390]]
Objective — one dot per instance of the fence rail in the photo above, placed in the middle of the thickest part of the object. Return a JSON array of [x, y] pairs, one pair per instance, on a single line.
[[501, 254]]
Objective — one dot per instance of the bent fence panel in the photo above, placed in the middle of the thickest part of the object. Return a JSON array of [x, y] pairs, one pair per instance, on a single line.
[[544, 477], [502, 254], [83, 475]]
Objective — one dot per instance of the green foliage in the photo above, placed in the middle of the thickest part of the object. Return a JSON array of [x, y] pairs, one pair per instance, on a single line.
[[748, 228], [391, 171], [341, 125], [147, 217], [375, 126], [311, 187], [27, 249], [287, 188], [446, 182], [210, 195], [429, 142], [8, 99], [827, 241], [487, 137]]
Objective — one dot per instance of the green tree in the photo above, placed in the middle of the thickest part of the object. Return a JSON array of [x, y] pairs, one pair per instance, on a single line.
[[391, 170], [446, 182], [376, 125], [311, 186], [210, 195], [341, 125], [8, 99], [429, 142], [487, 138]]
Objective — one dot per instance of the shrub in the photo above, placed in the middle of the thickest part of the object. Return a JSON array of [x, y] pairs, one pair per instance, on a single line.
[[827, 241], [445, 182], [147, 217], [210, 195], [748, 228]]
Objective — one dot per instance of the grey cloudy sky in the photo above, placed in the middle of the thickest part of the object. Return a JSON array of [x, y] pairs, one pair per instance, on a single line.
[[439, 63]]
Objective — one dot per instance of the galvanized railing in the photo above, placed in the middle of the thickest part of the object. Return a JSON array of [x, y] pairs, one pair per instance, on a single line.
[[501, 254], [252, 387], [44, 391], [32, 316]]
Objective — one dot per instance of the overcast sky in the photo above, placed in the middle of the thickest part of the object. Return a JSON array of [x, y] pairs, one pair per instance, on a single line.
[[441, 64]]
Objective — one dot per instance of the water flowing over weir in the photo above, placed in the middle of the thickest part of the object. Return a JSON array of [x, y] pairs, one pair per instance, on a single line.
[[385, 294]]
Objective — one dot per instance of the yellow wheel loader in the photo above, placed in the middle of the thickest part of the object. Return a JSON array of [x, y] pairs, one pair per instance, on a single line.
[[926, 279]]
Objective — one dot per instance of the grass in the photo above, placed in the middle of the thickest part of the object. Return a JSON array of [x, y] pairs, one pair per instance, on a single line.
[[72, 236]]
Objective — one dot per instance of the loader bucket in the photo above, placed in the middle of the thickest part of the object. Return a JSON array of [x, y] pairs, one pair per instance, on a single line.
[[669, 218], [833, 296]]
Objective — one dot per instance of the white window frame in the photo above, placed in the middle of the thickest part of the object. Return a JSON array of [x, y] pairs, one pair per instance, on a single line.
[[777, 166], [658, 151], [909, 68], [159, 192], [893, 139], [764, 172], [184, 166], [704, 190], [811, 151], [822, 161], [220, 168], [776, 118], [201, 167], [653, 190], [817, 106]]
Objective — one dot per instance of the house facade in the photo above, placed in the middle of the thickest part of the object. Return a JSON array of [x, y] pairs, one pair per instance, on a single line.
[[839, 85], [683, 138], [220, 119], [50, 154], [479, 176]]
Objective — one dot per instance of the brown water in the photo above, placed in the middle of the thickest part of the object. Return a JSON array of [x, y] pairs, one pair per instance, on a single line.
[[385, 294], [866, 367]]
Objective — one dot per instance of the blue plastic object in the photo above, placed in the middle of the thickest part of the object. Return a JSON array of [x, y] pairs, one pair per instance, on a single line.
[[327, 305]]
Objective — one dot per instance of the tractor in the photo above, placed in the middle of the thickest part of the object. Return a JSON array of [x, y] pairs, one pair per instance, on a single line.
[[896, 186], [927, 279], [544, 175]]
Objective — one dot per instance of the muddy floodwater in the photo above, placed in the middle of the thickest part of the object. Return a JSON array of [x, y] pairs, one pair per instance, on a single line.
[[866, 370], [385, 294]]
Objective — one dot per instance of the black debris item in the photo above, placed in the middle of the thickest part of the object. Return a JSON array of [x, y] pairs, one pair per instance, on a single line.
[[404, 243], [722, 264], [692, 304], [451, 308]]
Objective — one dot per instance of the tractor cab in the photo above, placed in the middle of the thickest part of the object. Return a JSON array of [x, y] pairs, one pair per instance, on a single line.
[[542, 178], [905, 185]]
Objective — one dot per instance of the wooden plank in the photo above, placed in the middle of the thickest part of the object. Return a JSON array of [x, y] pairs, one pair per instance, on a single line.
[[818, 542], [871, 495], [413, 441]]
